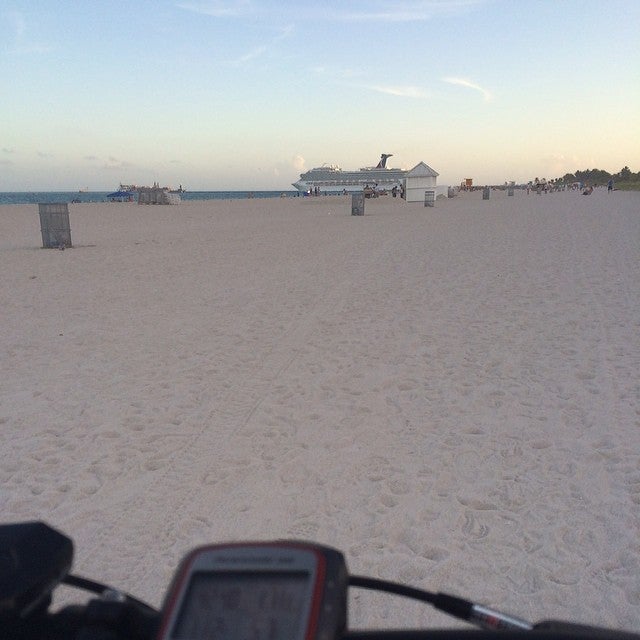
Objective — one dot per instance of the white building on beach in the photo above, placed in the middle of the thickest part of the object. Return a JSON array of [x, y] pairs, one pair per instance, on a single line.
[[418, 180]]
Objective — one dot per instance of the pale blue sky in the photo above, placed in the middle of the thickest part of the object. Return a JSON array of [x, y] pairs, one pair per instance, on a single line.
[[245, 94]]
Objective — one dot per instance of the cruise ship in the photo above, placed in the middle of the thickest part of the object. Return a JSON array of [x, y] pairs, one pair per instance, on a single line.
[[332, 179]]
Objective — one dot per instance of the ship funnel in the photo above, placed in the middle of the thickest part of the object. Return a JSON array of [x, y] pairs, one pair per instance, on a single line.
[[383, 160]]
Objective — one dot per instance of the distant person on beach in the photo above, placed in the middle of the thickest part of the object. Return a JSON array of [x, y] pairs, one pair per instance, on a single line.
[[610, 186]]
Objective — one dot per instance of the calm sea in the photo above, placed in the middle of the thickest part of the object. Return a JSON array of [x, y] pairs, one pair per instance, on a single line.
[[35, 197]]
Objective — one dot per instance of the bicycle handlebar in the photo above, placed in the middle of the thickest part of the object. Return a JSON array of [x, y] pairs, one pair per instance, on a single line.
[[34, 559]]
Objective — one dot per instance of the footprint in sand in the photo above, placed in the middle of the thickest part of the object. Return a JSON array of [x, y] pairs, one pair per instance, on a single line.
[[399, 487], [388, 501], [476, 504], [633, 487], [472, 528], [305, 529], [435, 554]]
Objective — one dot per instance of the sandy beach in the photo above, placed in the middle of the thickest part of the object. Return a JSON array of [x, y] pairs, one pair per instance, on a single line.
[[450, 395]]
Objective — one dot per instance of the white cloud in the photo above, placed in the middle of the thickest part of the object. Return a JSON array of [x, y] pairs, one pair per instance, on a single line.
[[257, 52], [284, 32], [22, 44], [463, 82], [298, 163], [250, 55], [559, 164], [412, 11], [402, 91], [18, 22], [114, 163], [355, 79], [358, 11], [217, 8]]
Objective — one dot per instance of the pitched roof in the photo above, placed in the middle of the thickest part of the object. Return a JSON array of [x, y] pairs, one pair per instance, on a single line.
[[422, 170]]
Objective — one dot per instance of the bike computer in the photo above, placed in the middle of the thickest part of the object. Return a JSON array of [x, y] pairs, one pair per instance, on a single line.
[[282, 590]]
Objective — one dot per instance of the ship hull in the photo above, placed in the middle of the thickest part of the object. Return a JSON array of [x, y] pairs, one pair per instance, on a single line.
[[337, 181]]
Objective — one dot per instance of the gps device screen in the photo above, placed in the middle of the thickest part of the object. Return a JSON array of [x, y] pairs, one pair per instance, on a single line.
[[257, 591], [239, 606]]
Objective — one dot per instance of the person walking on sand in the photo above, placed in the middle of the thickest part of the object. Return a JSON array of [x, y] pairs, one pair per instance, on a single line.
[[610, 186]]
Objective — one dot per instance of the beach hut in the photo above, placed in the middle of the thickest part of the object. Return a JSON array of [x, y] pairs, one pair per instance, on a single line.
[[420, 179]]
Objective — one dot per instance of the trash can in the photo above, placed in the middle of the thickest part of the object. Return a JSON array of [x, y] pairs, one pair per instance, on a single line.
[[54, 225], [509, 191], [451, 192], [429, 198], [485, 193], [357, 204]]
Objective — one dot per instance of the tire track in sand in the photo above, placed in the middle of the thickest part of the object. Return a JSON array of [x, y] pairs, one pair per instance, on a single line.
[[205, 465]]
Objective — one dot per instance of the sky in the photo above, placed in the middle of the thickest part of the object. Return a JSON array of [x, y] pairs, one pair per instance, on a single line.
[[247, 94]]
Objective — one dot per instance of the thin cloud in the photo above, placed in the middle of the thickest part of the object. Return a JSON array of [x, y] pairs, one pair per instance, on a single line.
[[31, 48], [8, 150], [359, 11], [403, 92], [249, 56], [419, 10], [236, 9], [355, 78], [261, 50], [284, 32], [463, 82], [22, 44], [344, 74], [113, 163], [217, 8]]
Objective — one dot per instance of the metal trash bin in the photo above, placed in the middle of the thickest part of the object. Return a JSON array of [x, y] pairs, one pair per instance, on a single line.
[[509, 191], [429, 198], [54, 225], [357, 204], [485, 193], [451, 192]]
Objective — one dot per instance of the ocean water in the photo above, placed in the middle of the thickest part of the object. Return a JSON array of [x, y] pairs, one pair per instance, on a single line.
[[35, 197]]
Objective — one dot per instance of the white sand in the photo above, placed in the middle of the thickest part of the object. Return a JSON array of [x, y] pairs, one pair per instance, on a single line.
[[449, 395]]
